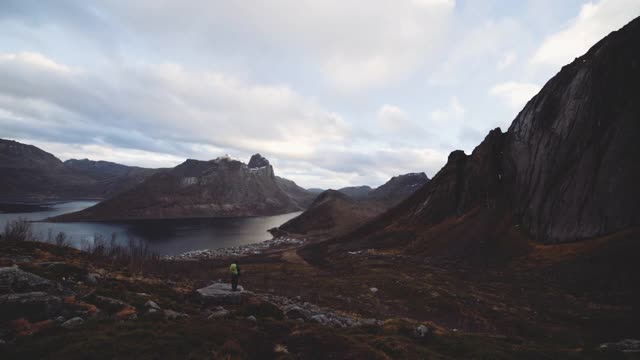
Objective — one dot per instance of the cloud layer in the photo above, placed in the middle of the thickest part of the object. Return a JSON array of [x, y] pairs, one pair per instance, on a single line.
[[335, 93]]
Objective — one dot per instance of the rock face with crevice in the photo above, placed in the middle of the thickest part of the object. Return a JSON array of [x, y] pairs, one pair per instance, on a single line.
[[572, 153]]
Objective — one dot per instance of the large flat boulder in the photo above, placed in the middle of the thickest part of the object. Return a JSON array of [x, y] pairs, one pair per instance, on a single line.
[[33, 306], [220, 294], [14, 280]]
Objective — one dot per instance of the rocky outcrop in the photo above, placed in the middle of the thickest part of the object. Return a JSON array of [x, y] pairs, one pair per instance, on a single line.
[[258, 161], [220, 294], [218, 188], [14, 280], [29, 305], [308, 312], [73, 323]]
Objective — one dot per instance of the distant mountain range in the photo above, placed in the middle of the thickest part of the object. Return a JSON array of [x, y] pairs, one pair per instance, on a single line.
[[218, 188], [336, 212], [28, 173], [391, 192]]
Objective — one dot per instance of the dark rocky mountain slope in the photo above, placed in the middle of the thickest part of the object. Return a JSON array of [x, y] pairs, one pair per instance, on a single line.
[[356, 192], [566, 170], [335, 212], [28, 173], [398, 188], [331, 213], [218, 188]]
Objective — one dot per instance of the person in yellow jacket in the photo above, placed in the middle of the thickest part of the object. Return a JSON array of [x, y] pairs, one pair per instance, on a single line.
[[235, 274]]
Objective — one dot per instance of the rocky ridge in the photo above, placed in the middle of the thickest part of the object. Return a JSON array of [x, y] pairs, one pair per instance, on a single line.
[[217, 188], [28, 173]]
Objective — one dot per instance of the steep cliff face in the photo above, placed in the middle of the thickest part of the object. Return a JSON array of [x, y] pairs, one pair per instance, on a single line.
[[566, 170], [465, 182], [218, 188], [572, 153]]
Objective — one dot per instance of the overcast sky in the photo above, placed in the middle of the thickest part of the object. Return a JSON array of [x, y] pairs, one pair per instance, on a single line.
[[334, 93]]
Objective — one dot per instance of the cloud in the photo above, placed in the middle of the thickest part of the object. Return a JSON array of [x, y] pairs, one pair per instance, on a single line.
[[157, 114], [357, 45], [514, 94], [476, 47], [508, 59], [131, 157], [595, 20], [452, 112], [132, 106]]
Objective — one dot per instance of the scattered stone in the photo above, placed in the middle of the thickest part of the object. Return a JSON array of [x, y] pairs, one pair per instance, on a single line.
[[221, 313], [60, 319], [152, 305], [422, 331], [31, 306], [625, 346], [92, 279], [106, 303], [296, 312], [321, 319], [307, 312], [14, 280], [373, 290], [252, 318], [220, 293], [172, 315], [72, 323], [154, 314], [238, 251], [127, 313]]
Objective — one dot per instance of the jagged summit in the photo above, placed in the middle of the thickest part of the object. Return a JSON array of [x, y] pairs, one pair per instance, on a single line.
[[258, 161], [221, 187]]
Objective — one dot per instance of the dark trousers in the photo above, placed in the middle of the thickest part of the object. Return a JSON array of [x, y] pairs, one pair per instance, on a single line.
[[234, 282]]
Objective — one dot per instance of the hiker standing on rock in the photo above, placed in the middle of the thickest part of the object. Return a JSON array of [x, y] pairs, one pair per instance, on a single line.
[[235, 274]]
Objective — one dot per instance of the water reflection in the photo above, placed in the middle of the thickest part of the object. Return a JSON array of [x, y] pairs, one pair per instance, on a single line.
[[167, 237]]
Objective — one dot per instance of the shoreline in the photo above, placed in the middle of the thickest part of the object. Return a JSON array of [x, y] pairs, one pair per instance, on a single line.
[[236, 251]]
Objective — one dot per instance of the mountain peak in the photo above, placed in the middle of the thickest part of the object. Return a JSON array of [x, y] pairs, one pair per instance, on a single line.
[[258, 161]]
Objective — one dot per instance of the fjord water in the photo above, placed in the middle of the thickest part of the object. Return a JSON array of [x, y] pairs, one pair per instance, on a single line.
[[167, 237]]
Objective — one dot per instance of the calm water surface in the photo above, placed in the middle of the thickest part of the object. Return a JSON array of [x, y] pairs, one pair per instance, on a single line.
[[167, 237]]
